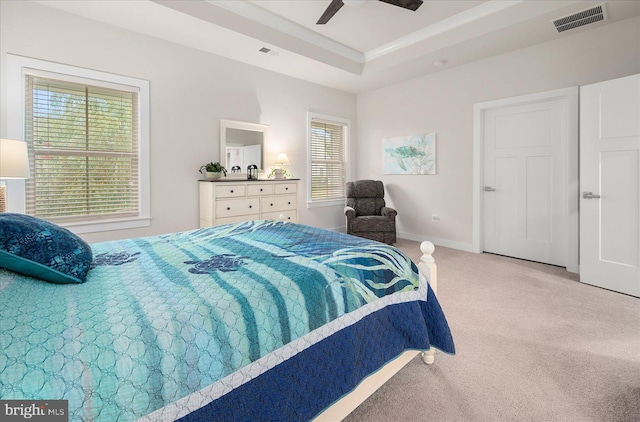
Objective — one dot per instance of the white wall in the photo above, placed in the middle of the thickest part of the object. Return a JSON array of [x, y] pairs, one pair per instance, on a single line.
[[443, 102], [190, 91]]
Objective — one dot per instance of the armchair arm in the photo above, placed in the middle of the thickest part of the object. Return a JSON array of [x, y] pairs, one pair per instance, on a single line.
[[388, 212], [349, 212]]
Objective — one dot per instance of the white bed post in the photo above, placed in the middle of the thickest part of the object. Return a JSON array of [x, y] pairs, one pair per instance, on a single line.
[[428, 266], [429, 270]]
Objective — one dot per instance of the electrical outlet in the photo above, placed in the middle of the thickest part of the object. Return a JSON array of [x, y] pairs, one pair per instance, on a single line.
[[435, 218]]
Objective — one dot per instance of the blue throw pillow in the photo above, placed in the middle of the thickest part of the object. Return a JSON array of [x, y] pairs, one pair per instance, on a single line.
[[38, 248]]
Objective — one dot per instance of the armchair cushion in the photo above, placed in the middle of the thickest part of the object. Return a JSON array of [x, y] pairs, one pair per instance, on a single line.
[[366, 196]]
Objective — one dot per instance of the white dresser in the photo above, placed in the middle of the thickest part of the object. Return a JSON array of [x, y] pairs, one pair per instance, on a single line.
[[233, 201]]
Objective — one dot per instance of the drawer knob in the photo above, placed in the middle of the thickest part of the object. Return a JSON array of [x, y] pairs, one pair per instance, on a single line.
[[228, 208], [288, 218], [286, 188], [231, 190], [250, 206], [271, 204], [261, 189], [289, 202]]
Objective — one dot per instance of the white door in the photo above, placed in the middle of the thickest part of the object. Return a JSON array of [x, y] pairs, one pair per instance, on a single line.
[[525, 180], [610, 184]]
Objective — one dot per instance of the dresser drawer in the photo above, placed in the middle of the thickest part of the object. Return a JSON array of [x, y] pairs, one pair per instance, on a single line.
[[260, 189], [290, 215], [233, 207], [230, 191], [281, 188], [278, 203]]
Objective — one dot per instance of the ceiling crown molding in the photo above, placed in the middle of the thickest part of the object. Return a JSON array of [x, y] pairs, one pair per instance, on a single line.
[[267, 18], [445, 25]]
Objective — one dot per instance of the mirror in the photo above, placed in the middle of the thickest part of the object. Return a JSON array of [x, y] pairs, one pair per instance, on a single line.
[[241, 144]]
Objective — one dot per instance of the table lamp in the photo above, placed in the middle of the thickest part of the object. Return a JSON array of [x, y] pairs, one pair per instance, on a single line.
[[282, 160], [14, 164]]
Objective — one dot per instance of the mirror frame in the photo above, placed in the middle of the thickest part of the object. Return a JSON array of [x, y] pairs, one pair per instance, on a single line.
[[235, 124]]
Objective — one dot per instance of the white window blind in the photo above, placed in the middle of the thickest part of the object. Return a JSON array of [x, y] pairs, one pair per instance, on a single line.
[[328, 159], [83, 147]]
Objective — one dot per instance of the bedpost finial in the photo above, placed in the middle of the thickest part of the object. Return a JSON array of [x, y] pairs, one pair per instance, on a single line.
[[427, 249]]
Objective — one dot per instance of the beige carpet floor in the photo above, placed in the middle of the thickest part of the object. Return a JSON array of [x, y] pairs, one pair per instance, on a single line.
[[533, 344]]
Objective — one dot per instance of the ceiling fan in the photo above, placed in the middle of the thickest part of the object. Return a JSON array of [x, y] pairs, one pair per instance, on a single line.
[[335, 5]]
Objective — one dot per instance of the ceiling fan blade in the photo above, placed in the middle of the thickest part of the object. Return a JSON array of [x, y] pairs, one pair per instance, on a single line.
[[407, 4], [331, 10]]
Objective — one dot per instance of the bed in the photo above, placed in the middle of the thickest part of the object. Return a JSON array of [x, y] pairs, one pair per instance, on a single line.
[[262, 320]]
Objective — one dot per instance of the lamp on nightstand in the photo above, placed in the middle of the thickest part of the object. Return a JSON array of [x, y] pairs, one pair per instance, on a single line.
[[14, 164], [281, 160]]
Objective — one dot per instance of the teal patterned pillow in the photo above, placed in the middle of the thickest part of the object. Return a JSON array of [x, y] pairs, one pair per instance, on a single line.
[[38, 248]]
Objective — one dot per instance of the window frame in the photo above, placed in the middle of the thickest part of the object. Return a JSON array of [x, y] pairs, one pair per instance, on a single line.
[[19, 66], [311, 116]]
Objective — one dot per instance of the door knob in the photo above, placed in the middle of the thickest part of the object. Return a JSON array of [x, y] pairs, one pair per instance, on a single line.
[[489, 189], [590, 195]]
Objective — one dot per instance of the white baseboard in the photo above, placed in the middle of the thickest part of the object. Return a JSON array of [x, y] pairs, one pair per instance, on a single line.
[[467, 247]]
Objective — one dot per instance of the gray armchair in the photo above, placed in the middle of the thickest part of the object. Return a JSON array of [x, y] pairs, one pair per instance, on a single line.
[[367, 214]]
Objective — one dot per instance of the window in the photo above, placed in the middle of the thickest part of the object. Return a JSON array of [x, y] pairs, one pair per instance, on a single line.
[[83, 150], [88, 144], [328, 140]]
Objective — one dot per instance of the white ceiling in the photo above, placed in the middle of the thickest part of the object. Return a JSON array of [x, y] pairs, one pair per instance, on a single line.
[[362, 47]]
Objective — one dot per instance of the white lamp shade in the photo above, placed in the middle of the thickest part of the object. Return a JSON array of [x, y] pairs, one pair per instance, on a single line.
[[14, 159], [282, 159]]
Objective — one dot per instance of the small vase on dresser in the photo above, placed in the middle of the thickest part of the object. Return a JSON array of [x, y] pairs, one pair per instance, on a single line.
[[233, 201]]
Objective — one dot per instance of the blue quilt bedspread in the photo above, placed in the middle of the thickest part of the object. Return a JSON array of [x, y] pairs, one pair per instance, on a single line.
[[215, 324]]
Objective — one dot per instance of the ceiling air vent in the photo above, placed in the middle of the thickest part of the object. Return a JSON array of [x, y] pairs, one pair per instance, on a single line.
[[584, 17]]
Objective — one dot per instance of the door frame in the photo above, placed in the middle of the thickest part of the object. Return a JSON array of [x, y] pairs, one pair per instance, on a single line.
[[573, 189]]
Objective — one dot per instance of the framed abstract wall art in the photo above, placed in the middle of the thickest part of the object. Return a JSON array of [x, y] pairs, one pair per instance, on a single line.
[[414, 154]]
